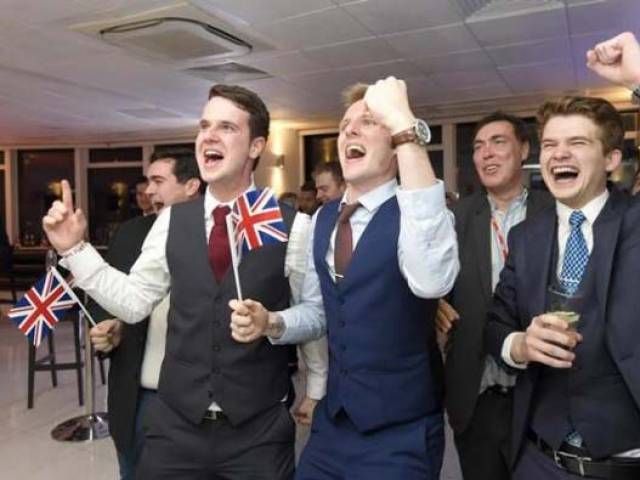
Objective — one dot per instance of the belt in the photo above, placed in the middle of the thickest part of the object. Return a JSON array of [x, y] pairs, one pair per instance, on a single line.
[[499, 389], [214, 416], [583, 465]]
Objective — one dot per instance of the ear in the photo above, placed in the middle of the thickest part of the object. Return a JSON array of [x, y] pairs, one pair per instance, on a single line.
[[525, 152], [192, 186], [256, 147], [613, 159]]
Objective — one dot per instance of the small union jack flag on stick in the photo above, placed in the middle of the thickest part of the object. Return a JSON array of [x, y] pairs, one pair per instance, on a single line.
[[41, 308], [255, 221]]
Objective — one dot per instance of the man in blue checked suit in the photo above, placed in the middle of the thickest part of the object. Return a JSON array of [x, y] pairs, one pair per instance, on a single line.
[[574, 414], [382, 255]]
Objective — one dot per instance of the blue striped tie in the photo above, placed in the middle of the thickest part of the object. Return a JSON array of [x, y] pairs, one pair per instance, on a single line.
[[576, 255]]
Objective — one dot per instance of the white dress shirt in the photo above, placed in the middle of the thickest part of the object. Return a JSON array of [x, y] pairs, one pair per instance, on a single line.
[[591, 211], [132, 297], [427, 253]]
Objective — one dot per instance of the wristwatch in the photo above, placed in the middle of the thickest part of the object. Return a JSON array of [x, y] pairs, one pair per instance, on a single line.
[[418, 133]]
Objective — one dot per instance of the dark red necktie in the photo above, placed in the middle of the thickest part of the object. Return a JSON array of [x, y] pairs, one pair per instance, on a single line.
[[219, 251], [344, 240]]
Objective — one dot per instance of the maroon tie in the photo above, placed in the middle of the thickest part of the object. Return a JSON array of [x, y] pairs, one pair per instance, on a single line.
[[344, 240], [219, 251]]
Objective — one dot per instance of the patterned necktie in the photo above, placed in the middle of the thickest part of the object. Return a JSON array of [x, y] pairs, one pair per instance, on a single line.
[[219, 251], [576, 255], [344, 240]]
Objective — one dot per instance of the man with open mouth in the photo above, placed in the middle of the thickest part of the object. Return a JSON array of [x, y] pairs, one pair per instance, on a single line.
[[576, 405], [382, 255]]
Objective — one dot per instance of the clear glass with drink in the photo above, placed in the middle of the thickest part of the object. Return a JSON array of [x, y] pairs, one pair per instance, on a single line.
[[565, 306]]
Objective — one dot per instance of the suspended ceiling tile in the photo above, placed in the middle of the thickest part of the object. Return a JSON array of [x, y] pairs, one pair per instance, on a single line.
[[384, 16], [433, 41]]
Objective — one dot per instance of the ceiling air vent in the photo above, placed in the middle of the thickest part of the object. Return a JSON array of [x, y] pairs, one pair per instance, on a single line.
[[181, 34], [228, 72], [175, 39]]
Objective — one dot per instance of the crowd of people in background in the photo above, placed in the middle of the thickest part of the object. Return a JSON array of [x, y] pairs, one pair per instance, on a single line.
[[530, 293]]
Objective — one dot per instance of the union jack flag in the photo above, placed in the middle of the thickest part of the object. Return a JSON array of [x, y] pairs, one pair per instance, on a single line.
[[38, 312], [258, 220]]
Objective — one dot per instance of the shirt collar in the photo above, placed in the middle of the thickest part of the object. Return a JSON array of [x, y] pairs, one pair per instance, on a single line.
[[517, 202], [211, 202], [591, 210], [376, 197]]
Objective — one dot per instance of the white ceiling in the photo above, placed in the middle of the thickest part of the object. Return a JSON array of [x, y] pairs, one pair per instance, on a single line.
[[59, 85]]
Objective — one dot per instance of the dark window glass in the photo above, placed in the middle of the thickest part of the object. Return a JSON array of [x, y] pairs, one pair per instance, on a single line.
[[319, 148], [39, 175], [1, 157], [437, 162], [2, 204], [630, 121], [124, 154], [160, 149], [436, 134], [112, 199]]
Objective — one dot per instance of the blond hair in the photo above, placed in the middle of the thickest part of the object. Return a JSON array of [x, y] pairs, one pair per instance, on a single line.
[[353, 94]]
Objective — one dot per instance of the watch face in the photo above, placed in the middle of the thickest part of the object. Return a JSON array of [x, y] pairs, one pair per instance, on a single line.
[[422, 132]]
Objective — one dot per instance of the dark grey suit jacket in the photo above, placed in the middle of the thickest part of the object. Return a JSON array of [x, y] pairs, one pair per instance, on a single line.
[[471, 297]]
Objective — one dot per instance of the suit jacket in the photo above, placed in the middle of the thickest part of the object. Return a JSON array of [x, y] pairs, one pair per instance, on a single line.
[[471, 297], [521, 295], [126, 360]]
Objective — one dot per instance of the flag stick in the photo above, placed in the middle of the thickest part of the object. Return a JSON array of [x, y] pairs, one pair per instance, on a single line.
[[71, 293], [234, 254]]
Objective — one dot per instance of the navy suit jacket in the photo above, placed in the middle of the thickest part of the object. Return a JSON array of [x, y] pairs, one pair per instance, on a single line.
[[521, 295]]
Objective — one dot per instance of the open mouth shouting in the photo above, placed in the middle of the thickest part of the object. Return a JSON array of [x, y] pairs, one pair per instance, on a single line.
[[491, 169], [564, 174], [355, 151], [212, 156]]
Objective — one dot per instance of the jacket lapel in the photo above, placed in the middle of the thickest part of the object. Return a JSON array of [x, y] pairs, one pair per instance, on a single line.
[[538, 251], [481, 228]]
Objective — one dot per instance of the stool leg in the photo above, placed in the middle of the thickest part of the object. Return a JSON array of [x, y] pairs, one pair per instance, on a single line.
[[30, 374], [52, 360], [76, 345]]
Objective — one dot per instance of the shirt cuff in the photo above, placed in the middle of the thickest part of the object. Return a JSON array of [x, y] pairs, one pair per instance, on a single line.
[[506, 352], [83, 264], [422, 203], [316, 386]]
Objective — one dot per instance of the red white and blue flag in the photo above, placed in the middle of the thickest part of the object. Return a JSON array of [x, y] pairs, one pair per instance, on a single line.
[[257, 220], [41, 308]]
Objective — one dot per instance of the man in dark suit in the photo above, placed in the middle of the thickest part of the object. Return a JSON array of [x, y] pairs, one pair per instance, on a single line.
[[574, 412], [478, 392], [172, 178]]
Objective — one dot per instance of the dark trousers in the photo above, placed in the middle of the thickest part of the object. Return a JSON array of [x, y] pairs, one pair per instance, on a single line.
[[407, 451], [259, 449], [128, 461], [484, 447], [535, 465]]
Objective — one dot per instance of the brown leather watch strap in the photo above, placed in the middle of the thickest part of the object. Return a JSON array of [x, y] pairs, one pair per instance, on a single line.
[[405, 136]]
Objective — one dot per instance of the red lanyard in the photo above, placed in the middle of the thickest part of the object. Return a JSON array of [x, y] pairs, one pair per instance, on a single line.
[[502, 243]]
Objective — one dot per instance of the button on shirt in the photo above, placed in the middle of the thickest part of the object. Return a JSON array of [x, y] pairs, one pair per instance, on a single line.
[[427, 252]]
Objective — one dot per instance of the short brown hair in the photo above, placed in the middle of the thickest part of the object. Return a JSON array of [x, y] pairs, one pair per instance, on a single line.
[[353, 94], [601, 112], [248, 101], [333, 167]]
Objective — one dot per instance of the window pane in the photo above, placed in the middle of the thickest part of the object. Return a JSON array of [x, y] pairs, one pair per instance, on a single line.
[[437, 162], [39, 175], [160, 149], [319, 148], [436, 134], [125, 154], [2, 203], [1, 157], [112, 199]]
